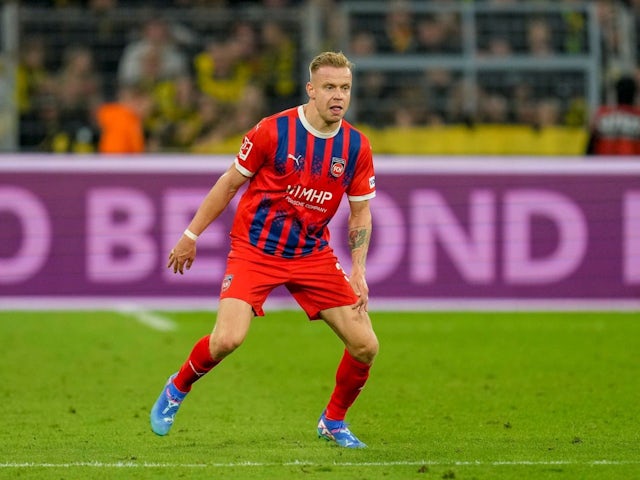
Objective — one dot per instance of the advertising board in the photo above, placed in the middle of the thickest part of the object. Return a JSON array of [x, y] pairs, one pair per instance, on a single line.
[[461, 233]]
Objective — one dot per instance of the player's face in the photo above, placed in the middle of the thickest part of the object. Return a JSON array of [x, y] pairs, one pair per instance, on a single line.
[[330, 90]]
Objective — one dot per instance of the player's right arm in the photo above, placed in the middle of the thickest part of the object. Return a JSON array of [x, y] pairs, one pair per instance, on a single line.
[[213, 204]]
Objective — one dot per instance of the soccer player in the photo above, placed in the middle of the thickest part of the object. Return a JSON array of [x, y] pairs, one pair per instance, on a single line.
[[299, 163], [615, 129]]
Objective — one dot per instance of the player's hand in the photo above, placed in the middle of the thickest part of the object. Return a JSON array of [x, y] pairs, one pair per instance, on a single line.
[[182, 255], [360, 287]]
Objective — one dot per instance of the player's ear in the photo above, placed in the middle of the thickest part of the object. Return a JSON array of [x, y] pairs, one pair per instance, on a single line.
[[311, 91]]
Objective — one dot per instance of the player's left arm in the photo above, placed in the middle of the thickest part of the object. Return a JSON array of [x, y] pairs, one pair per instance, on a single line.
[[360, 227]]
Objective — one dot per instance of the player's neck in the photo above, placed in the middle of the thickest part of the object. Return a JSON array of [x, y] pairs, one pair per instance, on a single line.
[[314, 120]]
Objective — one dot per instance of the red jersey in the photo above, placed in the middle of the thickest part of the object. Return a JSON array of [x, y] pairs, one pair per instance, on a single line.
[[298, 177], [616, 131]]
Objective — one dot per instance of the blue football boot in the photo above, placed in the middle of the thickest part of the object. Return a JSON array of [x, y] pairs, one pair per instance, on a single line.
[[166, 407], [337, 431]]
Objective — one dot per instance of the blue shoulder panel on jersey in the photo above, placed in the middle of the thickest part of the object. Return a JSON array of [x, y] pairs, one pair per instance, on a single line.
[[280, 160]]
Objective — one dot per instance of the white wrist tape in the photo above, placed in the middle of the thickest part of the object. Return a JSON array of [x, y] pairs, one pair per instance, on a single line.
[[188, 233]]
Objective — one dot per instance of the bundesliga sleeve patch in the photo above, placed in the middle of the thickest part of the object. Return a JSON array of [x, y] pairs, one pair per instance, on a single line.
[[372, 182], [245, 149]]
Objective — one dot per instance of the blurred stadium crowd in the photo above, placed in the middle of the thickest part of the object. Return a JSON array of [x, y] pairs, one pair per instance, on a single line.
[[202, 71]]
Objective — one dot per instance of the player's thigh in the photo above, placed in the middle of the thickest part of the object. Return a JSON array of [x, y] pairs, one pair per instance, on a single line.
[[355, 330], [251, 278], [320, 285], [232, 325]]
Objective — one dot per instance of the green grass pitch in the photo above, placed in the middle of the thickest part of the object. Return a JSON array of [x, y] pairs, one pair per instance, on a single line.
[[451, 396]]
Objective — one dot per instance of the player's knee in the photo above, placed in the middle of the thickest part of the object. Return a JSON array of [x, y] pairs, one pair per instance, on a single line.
[[221, 346], [365, 352]]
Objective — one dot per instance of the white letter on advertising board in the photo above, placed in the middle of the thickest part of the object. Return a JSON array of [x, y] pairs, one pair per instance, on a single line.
[[434, 223], [120, 247], [521, 207], [35, 235], [631, 239]]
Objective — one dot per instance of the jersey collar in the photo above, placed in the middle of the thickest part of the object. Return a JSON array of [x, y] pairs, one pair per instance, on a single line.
[[313, 131]]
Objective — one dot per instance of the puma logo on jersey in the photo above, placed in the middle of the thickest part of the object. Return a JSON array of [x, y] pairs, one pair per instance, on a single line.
[[295, 159]]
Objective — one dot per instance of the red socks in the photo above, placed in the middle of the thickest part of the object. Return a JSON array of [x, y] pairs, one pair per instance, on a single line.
[[198, 363], [350, 379]]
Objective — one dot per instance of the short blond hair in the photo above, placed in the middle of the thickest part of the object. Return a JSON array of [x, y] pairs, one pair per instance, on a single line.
[[330, 59]]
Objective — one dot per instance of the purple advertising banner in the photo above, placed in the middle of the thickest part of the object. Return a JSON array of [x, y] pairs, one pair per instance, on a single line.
[[448, 233]]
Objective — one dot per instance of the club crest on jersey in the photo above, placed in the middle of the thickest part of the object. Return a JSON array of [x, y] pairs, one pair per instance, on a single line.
[[245, 148], [226, 282], [337, 166]]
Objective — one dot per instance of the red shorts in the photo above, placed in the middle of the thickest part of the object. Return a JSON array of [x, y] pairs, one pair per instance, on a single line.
[[317, 282]]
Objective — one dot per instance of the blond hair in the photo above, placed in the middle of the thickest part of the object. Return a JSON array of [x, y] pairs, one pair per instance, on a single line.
[[330, 59]]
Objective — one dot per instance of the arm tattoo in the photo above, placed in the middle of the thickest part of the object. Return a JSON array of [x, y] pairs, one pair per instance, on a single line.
[[358, 238]]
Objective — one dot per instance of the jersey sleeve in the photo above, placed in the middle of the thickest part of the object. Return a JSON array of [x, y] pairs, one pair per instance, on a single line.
[[254, 150], [363, 185]]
